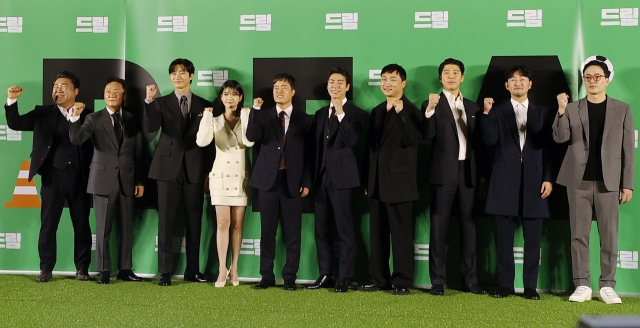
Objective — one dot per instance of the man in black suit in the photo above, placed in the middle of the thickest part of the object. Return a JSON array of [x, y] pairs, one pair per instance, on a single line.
[[390, 170], [521, 177], [114, 177], [63, 168], [179, 166], [337, 129], [450, 125], [282, 175]]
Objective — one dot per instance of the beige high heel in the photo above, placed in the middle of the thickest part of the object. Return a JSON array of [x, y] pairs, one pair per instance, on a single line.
[[222, 283]]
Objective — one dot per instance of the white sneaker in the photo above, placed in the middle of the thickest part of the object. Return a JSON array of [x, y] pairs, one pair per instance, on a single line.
[[609, 296], [581, 294]]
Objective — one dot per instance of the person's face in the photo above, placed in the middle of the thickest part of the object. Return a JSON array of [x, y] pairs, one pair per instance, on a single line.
[[518, 85], [282, 93], [230, 98], [337, 86], [451, 77], [180, 77], [594, 80], [392, 84], [114, 95], [64, 93]]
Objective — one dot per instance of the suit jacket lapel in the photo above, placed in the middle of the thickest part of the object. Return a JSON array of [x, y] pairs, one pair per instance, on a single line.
[[174, 110], [275, 120], [194, 112], [448, 113], [608, 118], [391, 121], [323, 113], [509, 115], [105, 120], [583, 112]]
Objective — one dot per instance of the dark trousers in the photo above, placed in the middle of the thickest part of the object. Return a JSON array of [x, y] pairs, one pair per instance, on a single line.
[[334, 206], [391, 220], [273, 202], [118, 208], [169, 193], [442, 200], [532, 231], [59, 185]]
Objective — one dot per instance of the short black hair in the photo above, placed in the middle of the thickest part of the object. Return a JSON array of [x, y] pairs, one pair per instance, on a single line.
[[287, 78], [117, 79], [395, 68], [68, 75], [600, 64], [341, 71], [450, 61], [520, 69], [235, 85]]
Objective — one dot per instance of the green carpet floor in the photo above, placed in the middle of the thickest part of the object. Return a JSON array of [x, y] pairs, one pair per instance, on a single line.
[[67, 302]]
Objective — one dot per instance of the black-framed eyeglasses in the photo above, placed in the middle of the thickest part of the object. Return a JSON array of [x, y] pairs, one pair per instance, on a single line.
[[596, 78]]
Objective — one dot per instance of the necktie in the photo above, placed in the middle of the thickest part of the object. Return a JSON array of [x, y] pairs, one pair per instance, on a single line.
[[282, 115], [184, 107], [332, 114], [117, 128]]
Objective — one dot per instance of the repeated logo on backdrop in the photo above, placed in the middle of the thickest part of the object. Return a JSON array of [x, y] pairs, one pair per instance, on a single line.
[[341, 21], [619, 17], [92, 24], [10, 24], [177, 24], [431, 19], [260, 23], [212, 78]]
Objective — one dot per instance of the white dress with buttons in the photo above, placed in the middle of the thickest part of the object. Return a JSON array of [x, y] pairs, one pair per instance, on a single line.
[[228, 180]]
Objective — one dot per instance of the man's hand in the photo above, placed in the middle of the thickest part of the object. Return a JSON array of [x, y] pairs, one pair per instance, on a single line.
[[257, 102], [77, 109], [399, 105], [434, 99], [546, 189], [304, 191], [488, 104], [14, 92], [139, 191], [151, 92], [337, 104], [563, 100], [625, 195]]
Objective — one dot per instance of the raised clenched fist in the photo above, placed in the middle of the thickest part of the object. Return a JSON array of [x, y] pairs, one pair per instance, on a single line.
[[14, 92], [488, 104], [563, 100], [434, 99], [151, 91]]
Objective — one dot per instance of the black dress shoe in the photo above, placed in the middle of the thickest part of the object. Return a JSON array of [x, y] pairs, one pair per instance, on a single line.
[[165, 279], [128, 275], [401, 291], [475, 289], [104, 278], [504, 292], [82, 275], [290, 285], [195, 277], [323, 282], [437, 290], [342, 285], [372, 287], [44, 276], [531, 294], [264, 284]]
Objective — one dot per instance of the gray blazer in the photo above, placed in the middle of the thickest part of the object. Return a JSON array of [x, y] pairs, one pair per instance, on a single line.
[[617, 144], [112, 166]]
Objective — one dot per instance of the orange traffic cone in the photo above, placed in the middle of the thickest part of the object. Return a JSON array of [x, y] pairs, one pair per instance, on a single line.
[[25, 194]]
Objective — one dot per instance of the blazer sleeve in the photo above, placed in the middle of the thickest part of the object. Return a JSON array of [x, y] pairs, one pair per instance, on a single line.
[[151, 119], [309, 153], [244, 121], [364, 175], [18, 122], [350, 127], [489, 127], [206, 129], [410, 127], [254, 125], [81, 132], [628, 144], [561, 127]]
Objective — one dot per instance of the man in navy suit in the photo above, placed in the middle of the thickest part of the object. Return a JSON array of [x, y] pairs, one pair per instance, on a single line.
[[521, 177], [337, 130], [282, 175], [64, 168], [179, 167], [450, 125]]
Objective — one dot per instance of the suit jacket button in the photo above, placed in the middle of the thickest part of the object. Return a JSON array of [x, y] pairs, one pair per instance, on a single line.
[[227, 175], [586, 149], [213, 174], [227, 148], [278, 147], [227, 162], [236, 175], [584, 164], [235, 188], [237, 162], [227, 188]]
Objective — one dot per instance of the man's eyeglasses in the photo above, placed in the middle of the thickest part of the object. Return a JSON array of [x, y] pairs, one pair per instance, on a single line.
[[594, 78]]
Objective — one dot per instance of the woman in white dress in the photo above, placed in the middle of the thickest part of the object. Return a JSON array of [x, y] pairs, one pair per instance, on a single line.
[[230, 174]]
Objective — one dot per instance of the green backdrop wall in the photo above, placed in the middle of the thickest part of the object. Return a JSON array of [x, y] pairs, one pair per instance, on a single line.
[[222, 39]]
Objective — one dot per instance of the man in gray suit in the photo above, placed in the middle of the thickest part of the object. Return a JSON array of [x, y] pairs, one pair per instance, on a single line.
[[115, 175], [598, 180]]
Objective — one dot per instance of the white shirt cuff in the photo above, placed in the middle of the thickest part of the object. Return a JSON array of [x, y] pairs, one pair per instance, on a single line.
[[11, 101]]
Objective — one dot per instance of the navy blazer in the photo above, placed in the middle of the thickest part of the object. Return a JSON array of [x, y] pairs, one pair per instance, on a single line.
[[499, 128], [177, 139], [264, 127], [338, 149], [442, 130], [392, 152], [41, 120]]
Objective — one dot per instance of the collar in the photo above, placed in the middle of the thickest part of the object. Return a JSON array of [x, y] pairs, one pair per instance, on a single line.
[[179, 95], [119, 112], [449, 95], [287, 110], [524, 103]]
